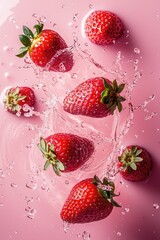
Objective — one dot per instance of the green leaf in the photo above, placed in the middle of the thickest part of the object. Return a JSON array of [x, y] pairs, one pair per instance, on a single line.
[[46, 165], [121, 99], [115, 203], [60, 165], [28, 32], [138, 159], [119, 105], [106, 84], [138, 152], [134, 149], [38, 27], [115, 86], [22, 52], [133, 166], [120, 88], [56, 170], [25, 40]]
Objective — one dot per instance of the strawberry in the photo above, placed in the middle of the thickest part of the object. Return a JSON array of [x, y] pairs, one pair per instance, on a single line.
[[16, 99], [103, 27], [65, 152], [134, 163], [89, 200], [46, 48], [96, 97]]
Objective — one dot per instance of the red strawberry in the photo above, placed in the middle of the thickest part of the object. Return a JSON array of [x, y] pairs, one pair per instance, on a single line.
[[96, 97], [134, 163], [65, 152], [46, 48], [16, 99], [89, 200], [103, 27]]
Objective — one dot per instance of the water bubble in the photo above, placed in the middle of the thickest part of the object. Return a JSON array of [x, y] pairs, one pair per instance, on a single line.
[[42, 19], [137, 50], [66, 182], [6, 74], [126, 209], [14, 185], [1, 174], [31, 185], [1, 204], [12, 19], [86, 235], [75, 17], [119, 234], [90, 6], [54, 25], [156, 206], [34, 15], [74, 76], [31, 212], [65, 226]]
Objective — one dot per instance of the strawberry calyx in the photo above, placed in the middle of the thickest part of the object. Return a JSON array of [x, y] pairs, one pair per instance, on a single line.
[[28, 37], [106, 189], [12, 99], [111, 95], [130, 157], [50, 157]]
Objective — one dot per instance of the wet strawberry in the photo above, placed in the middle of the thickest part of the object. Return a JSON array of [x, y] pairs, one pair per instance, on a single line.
[[46, 48], [89, 200], [135, 163], [17, 98], [103, 27], [96, 97], [65, 152]]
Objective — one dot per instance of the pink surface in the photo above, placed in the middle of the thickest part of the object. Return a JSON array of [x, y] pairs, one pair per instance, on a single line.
[[31, 199]]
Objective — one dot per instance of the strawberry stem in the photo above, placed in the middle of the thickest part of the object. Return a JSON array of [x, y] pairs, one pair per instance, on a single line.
[[106, 189], [111, 95]]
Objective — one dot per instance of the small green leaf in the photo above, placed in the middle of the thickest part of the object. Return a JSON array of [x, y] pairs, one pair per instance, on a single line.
[[28, 32], [138, 152], [121, 99], [56, 170], [25, 40], [46, 165], [115, 86], [60, 165], [106, 84], [115, 203], [134, 149], [133, 166], [138, 159], [38, 27], [119, 105], [120, 88]]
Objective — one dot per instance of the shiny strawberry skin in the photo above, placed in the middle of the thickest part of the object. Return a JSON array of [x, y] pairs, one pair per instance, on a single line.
[[29, 99], [143, 167], [85, 204], [103, 27], [86, 99], [71, 150], [45, 47]]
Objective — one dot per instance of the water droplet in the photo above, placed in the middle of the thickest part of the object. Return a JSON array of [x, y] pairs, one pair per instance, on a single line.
[[42, 19], [1, 174], [12, 19], [65, 226], [86, 235], [31, 213], [148, 117], [75, 17], [119, 234], [1, 204], [66, 182], [34, 15], [73, 75], [6, 74], [14, 185], [31, 185], [54, 25], [156, 205], [126, 209], [90, 6], [137, 50]]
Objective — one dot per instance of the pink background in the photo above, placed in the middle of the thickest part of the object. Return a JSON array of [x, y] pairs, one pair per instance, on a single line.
[[31, 199]]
